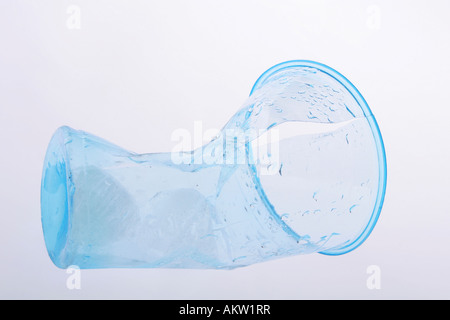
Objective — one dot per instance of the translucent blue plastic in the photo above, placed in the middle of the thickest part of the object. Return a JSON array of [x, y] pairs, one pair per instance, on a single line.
[[224, 205]]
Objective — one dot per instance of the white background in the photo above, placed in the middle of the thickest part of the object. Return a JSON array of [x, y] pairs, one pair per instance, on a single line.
[[136, 71]]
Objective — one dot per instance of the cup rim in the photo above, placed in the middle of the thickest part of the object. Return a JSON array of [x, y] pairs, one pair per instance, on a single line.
[[56, 208], [345, 248]]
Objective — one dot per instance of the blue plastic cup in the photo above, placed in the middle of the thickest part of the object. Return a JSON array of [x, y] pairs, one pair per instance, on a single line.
[[300, 168]]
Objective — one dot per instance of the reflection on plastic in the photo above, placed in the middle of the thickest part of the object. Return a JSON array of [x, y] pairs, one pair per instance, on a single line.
[[318, 187]]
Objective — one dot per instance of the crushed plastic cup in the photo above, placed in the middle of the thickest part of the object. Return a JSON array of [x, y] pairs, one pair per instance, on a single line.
[[300, 168]]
